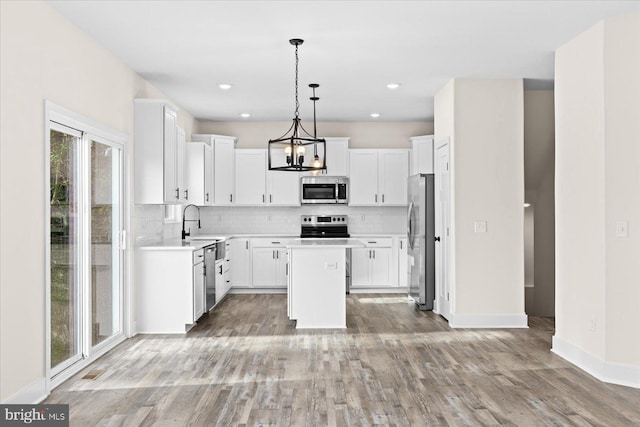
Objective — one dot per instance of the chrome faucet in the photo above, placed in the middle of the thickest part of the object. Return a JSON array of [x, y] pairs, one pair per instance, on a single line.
[[184, 233]]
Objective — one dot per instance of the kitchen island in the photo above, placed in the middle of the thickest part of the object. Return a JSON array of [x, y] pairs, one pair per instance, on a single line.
[[317, 282]]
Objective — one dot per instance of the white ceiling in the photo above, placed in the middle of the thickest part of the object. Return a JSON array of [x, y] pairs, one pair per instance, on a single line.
[[353, 49]]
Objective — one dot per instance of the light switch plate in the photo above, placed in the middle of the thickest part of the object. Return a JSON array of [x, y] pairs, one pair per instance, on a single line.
[[480, 226], [622, 229], [330, 265]]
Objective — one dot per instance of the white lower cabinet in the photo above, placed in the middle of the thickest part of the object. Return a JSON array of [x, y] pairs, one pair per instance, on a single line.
[[241, 264], [269, 264], [169, 290], [227, 266], [199, 304], [371, 265]]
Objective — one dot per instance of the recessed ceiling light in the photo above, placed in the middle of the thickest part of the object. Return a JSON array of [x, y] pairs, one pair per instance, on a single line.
[[375, 115], [393, 85], [526, 205], [224, 86], [245, 115]]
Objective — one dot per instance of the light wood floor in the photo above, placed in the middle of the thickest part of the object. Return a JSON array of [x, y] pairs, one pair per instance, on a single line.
[[246, 364]]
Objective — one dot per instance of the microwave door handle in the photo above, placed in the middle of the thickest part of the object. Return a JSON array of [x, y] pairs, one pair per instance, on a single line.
[[336, 192]]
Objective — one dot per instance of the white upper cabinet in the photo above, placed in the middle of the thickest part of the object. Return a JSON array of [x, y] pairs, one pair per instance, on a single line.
[[337, 156], [393, 171], [283, 188], [199, 173], [156, 156], [421, 154], [250, 177], [378, 177], [223, 168], [363, 177], [180, 166]]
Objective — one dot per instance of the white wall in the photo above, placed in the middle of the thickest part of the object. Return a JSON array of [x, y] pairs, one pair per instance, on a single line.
[[43, 56], [544, 247], [484, 119], [489, 186], [362, 134], [598, 184], [539, 140]]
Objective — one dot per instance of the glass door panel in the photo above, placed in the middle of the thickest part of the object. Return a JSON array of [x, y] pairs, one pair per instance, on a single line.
[[65, 257], [105, 223]]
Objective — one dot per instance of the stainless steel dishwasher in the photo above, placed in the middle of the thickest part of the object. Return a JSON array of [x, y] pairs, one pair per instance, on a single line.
[[210, 275]]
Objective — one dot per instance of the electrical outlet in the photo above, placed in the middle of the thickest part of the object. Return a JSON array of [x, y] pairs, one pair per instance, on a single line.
[[480, 226], [592, 325], [622, 229], [269, 218], [363, 218]]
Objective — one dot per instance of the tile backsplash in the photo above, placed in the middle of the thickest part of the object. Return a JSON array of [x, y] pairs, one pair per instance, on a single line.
[[150, 226], [274, 220]]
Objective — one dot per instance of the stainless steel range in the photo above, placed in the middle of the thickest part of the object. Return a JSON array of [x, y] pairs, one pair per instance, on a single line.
[[327, 226], [324, 226]]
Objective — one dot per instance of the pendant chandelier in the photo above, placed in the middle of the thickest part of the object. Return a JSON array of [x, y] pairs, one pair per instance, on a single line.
[[287, 153]]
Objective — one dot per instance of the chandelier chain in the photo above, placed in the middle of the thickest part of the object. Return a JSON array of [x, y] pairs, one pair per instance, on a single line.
[[297, 103]]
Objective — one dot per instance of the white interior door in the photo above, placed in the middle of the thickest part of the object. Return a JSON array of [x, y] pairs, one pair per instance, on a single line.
[[442, 210]]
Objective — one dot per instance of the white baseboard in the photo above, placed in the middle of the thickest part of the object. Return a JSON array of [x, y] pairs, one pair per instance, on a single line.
[[609, 372], [488, 320], [374, 290], [257, 291], [32, 394]]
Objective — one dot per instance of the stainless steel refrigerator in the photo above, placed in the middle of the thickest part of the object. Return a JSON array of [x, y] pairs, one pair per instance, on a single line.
[[421, 240]]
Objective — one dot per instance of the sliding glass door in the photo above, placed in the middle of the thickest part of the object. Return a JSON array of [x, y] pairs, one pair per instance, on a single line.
[[65, 256], [85, 252]]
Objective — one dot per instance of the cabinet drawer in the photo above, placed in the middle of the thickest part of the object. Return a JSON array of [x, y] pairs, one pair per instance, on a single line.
[[372, 242], [198, 256], [269, 243]]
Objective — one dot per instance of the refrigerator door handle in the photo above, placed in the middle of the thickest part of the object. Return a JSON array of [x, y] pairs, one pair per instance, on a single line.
[[410, 225]]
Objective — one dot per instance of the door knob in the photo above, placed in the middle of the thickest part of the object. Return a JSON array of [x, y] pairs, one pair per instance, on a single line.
[[437, 238]]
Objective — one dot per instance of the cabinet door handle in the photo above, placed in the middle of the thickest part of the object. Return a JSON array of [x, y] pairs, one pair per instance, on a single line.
[[374, 254], [231, 198], [270, 198], [273, 254], [286, 269], [186, 194], [277, 254], [177, 193], [275, 243], [207, 197], [220, 269], [374, 242], [383, 198], [376, 198], [246, 244], [369, 253], [263, 198], [400, 244]]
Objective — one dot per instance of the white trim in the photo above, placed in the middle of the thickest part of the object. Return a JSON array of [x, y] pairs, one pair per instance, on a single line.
[[609, 372], [378, 290], [488, 320], [32, 394], [257, 291]]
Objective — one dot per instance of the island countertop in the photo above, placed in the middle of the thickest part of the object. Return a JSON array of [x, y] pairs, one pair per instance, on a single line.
[[324, 243]]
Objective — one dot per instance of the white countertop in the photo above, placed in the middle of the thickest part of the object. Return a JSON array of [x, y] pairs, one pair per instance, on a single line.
[[176, 244], [194, 243], [324, 243]]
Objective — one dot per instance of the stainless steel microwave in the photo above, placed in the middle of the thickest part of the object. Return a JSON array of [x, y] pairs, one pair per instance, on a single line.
[[324, 190]]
